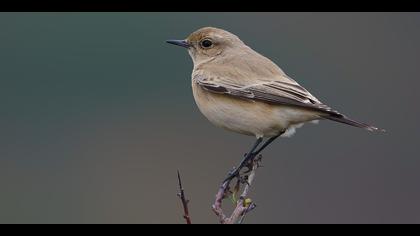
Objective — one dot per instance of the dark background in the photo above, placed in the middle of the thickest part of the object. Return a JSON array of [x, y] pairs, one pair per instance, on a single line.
[[97, 115]]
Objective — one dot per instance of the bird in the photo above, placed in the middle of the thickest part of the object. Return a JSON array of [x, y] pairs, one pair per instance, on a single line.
[[238, 89]]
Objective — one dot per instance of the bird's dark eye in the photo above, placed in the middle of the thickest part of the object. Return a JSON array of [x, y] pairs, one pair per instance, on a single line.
[[206, 43]]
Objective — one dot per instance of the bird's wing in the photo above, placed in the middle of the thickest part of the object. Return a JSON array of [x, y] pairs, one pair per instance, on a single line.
[[281, 91]]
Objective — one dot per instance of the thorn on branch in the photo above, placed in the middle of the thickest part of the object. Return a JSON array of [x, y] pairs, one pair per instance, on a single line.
[[184, 201]]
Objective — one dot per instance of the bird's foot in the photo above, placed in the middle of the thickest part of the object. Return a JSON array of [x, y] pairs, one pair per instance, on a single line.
[[248, 163], [232, 174]]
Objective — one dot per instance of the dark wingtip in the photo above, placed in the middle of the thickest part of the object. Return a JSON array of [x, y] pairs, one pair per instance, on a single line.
[[378, 129], [348, 121], [374, 129]]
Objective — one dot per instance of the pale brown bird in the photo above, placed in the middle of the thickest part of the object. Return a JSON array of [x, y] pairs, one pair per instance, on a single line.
[[238, 89]]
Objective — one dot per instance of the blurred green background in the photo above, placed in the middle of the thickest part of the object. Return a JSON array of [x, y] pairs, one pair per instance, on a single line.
[[97, 115]]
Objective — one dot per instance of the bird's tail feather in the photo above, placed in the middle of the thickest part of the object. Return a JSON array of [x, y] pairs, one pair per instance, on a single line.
[[343, 119]]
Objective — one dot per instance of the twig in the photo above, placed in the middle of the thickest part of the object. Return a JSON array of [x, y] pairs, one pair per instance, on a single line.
[[217, 206], [184, 201], [243, 205]]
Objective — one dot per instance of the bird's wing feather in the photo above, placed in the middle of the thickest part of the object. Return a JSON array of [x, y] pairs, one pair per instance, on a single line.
[[281, 91], [263, 81]]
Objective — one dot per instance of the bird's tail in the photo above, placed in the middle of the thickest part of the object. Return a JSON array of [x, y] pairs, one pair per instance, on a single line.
[[343, 119]]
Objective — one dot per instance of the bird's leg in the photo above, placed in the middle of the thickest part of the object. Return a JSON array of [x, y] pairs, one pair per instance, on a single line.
[[270, 140], [259, 150], [249, 156]]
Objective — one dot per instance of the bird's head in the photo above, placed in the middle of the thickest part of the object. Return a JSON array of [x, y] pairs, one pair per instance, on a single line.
[[209, 43]]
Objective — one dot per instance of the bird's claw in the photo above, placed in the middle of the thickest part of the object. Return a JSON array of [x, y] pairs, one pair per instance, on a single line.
[[249, 164], [232, 174]]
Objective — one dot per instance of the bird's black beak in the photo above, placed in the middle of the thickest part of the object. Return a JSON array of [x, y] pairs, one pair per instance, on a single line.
[[181, 43]]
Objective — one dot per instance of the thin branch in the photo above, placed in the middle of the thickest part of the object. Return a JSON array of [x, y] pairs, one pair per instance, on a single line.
[[184, 201], [244, 205], [217, 206]]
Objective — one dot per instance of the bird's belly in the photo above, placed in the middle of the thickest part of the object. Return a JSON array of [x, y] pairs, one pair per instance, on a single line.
[[247, 117]]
